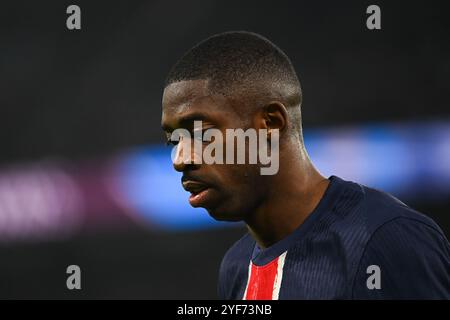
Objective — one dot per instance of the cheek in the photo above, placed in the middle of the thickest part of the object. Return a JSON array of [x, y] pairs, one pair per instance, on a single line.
[[240, 179]]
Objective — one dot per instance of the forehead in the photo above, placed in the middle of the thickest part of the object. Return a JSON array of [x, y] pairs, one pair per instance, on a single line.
[[192, 100]]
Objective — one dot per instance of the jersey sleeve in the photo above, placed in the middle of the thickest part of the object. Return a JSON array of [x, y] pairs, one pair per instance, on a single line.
[[404, 259]]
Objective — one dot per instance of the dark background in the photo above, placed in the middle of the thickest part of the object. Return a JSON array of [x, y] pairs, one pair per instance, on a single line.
[[92, 92]]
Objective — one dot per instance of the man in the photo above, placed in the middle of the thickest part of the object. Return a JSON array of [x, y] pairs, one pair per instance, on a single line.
[[309, 237]]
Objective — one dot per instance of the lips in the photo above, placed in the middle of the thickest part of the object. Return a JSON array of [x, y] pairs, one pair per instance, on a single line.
[[194, 187], [199, 192]]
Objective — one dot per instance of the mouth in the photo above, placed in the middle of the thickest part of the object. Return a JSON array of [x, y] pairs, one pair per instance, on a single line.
[[199, 192]]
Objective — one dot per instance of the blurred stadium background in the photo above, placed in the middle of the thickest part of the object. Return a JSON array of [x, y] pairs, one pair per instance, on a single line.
[[86, 180]]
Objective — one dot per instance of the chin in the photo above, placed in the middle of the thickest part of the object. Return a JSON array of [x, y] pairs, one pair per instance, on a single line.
[[224, 215]]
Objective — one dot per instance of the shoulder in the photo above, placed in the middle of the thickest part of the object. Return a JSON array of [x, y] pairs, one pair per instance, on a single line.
[[410, 249], [405, 238], [412, 255], [374, 208], [381, 208]]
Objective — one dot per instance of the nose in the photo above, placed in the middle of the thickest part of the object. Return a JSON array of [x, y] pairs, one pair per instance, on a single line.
[[183, 156]]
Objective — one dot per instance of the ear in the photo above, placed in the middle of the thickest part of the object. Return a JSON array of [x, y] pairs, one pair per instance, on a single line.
[[275, 116]]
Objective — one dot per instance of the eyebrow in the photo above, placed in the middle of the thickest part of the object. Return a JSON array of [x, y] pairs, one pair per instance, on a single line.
[[187, 120]]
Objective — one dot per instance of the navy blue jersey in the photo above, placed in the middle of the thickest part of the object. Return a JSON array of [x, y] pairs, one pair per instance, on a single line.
[[358, 243]]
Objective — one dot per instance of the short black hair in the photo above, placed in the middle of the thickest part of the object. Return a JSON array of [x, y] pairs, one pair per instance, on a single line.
[[231, 57], [240, 61]]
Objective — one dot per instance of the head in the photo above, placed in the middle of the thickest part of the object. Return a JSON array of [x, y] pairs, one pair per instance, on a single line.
[[229, 81]]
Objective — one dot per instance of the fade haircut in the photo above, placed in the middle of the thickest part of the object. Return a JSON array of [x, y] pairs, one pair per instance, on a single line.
[[243, 65]]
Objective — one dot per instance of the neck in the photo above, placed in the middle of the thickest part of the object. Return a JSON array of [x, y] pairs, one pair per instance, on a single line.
[[298, 190]]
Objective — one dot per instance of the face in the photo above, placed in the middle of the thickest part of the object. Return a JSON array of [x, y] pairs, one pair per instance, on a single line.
[[227, 191]]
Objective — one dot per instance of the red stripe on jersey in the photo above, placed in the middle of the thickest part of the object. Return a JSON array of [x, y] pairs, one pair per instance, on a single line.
[[262, 281]]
